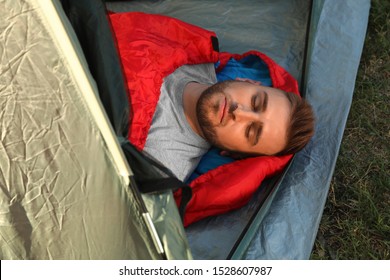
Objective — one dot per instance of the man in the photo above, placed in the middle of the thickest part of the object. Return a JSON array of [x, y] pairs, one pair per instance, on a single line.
[[241, 117], [179, 111]]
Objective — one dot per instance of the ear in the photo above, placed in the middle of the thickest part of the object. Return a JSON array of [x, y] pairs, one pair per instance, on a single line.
[[248, 81]]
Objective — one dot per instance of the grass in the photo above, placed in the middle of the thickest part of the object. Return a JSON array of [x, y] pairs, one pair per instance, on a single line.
[[356, 219]]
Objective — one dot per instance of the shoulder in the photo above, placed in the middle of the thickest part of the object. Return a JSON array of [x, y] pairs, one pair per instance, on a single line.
[[203, 73]]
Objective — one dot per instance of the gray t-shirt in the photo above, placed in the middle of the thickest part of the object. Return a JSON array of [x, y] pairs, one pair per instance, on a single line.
[[171, 140]]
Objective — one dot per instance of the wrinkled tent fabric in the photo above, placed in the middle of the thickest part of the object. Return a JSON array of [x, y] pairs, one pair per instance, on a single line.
[[64, 184], [65, 190]]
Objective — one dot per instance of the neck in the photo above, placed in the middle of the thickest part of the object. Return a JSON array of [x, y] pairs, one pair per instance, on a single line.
[[191, 95]]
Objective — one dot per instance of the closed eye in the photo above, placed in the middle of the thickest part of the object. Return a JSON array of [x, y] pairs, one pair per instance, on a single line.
[[253, 132], [256, 100], [249, 130], [259, 104]]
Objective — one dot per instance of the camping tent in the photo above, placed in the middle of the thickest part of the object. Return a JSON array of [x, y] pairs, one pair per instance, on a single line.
[[70, 186]]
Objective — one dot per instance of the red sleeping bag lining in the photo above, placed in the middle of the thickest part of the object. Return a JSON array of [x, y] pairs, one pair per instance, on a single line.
[[153, 46]]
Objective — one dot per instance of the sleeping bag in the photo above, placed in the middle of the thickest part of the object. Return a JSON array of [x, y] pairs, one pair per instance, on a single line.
[[153, 46]]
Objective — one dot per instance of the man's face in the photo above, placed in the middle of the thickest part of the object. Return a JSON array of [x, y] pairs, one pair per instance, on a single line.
[[246, 118]]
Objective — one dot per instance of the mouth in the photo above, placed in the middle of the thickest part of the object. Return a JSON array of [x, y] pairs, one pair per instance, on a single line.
[[222, 110]]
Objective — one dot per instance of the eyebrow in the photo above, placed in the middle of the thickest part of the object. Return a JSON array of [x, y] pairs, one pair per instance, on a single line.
[[258, 133], [265, 102]]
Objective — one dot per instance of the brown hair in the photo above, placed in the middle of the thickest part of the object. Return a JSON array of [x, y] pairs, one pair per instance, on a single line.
[[301, 126]]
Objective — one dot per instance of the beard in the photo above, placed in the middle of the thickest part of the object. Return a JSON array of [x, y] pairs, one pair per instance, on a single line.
[[204, 110], [207, 110]]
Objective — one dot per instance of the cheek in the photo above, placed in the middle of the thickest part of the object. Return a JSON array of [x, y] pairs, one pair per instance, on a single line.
[[208, 109]]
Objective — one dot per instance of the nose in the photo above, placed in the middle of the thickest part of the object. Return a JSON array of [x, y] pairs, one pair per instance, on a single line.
[[242, 113]]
